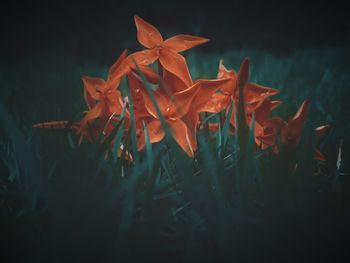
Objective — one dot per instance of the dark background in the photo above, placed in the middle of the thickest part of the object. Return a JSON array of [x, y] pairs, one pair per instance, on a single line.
[[98, 31]]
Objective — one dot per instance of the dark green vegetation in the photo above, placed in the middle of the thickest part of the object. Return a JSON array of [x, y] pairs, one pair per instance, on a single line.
[[64, 203]]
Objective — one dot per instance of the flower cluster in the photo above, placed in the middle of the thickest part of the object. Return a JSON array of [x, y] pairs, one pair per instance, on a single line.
[[177, 101]]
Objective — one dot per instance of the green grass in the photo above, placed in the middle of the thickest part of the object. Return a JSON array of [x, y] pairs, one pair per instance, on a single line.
[[69, 203]]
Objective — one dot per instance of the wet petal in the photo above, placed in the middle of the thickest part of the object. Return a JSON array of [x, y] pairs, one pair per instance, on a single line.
[[216, 103], [181, 43], [147, 34], [176, 64]]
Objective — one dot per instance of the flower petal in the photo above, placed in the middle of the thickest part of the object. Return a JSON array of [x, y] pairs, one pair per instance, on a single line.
[[181, 135], [264, 108], [147, 34], [181, 43], [206, 90], [255, 93], [160, 99], [191, 119], [216, 103], [114, 102], [155, 133], [176, 64], [116, 65], [95, 112], [173, 83], [92, 85], [291, 132]]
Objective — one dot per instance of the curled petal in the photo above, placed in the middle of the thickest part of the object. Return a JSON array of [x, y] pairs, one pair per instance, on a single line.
[[147, 34], [176, 64], [181, 43]]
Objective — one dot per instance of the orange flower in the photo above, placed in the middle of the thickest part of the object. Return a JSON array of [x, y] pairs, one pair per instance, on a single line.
[[253, 93], [174, 109], [167, 51], [103, 100]]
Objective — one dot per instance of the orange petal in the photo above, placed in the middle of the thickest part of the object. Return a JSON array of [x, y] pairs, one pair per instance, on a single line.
[[114, 102], [160, 99], [223, 72], [176, 64], [264, 108], [254, 92], [181, 135], [191, 119], [147, 34], [150, 75], [91, 85], [155, 133], [136, 85], [181, 43], [216, 103], [206, 90], [116, 65], [144, 57], [141, 58], [291, 132], [172, 82], [95, 112]]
